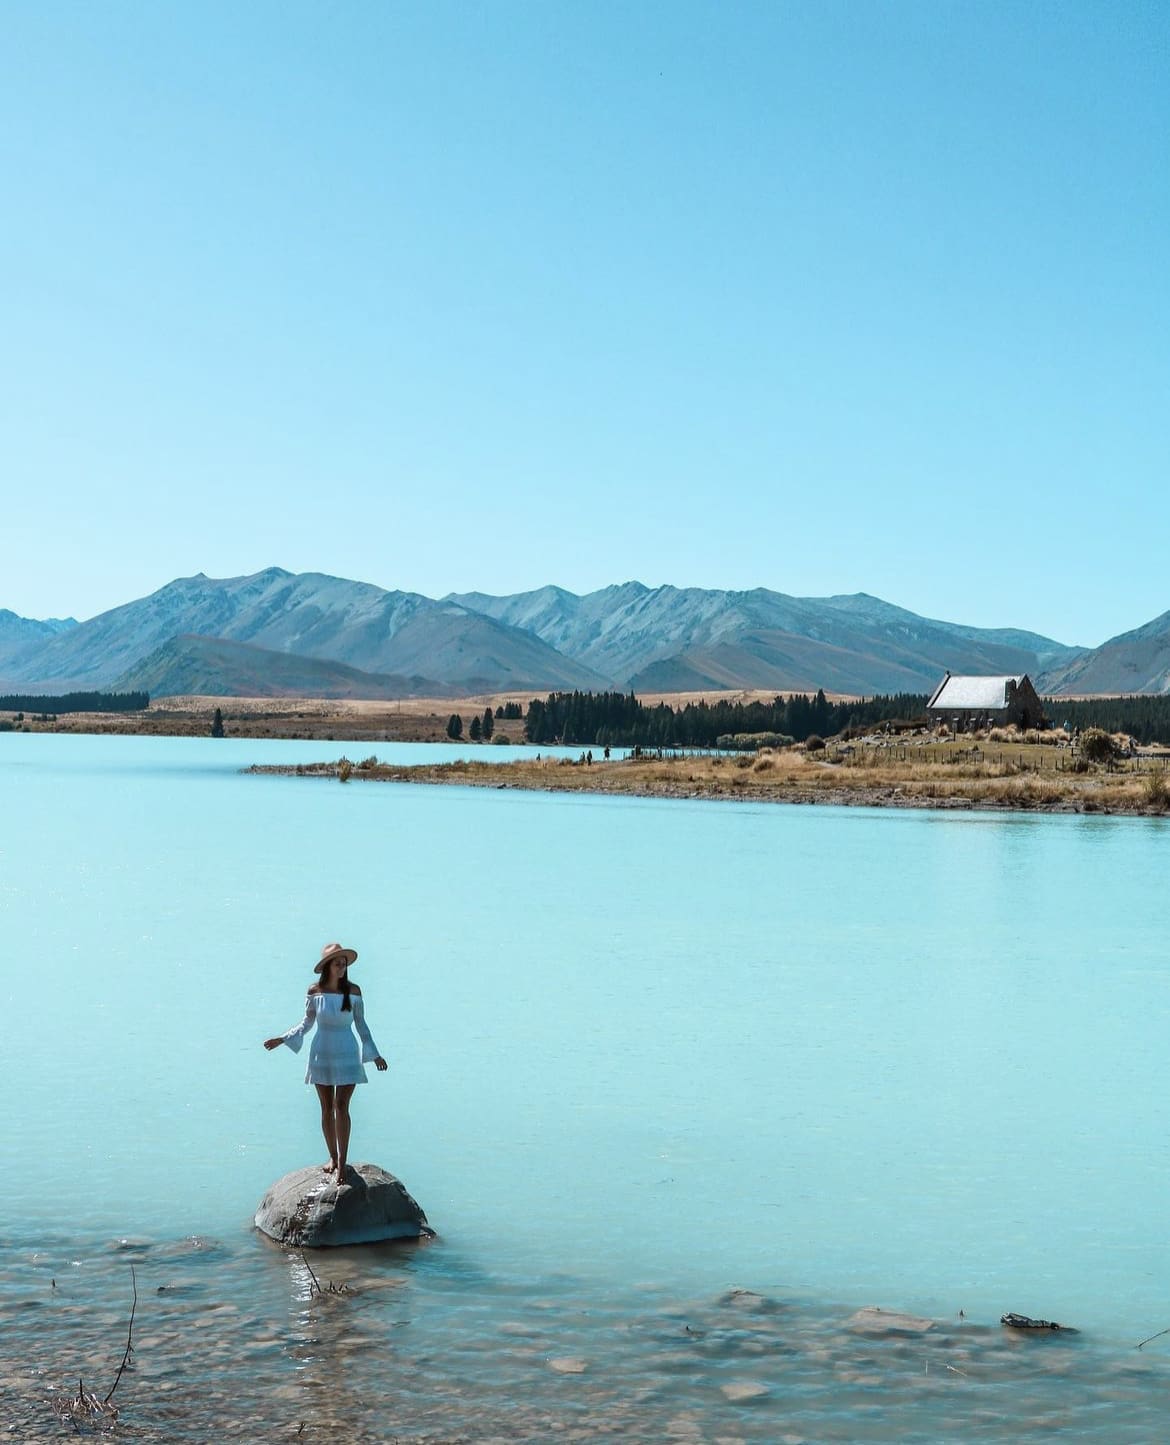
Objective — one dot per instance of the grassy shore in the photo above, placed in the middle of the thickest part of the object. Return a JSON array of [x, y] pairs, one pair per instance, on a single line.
[[1025, 777], [413, 720]]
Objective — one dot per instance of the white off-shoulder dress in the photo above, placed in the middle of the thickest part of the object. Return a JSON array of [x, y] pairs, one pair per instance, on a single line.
[[333, 1054]]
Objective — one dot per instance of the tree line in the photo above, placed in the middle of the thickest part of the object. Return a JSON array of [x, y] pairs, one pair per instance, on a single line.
[[76, 702], [599, 719], [1145, 718]]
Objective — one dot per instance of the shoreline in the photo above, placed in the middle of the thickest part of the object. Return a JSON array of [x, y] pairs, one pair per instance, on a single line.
[[800, 784]]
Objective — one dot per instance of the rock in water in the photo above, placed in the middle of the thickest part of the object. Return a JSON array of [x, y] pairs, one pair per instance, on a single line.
[[308, 1210]]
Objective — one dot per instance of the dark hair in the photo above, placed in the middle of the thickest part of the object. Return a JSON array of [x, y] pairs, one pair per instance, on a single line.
[[346, 1006]]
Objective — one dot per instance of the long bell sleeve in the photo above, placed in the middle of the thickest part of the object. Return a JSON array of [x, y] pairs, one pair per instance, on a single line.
[[369, 1047], [296, 1037]]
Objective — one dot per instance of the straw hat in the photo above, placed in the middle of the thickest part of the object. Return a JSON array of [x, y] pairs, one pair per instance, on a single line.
[[332, 951]]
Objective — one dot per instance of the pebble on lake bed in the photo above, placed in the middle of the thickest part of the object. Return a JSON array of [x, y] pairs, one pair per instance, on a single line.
[[568, 1365], [743, 1392]]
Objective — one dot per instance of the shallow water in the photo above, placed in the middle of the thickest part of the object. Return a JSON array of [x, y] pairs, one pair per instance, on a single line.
[[641, 1052]]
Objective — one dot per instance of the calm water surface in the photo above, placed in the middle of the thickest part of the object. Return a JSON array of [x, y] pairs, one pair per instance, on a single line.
[[643, 1054]]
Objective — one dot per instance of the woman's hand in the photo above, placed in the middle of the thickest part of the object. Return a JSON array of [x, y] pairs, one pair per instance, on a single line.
[[273, 1043], [380, 1064]]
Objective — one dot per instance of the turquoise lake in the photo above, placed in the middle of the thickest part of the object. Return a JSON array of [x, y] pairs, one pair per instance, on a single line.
[[643, 1054]]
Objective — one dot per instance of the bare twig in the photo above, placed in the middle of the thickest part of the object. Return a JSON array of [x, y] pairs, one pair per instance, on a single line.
[[317, 1286], [312, 1276], [129, 1337], [85, 1409], [1158, 1336]]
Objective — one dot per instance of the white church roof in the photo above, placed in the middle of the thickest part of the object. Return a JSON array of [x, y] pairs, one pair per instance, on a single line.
[[980, 694]]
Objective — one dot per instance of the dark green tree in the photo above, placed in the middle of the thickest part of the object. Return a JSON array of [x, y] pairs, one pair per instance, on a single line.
[[217, 724], [455, 726], [489, 724], [475, 731]]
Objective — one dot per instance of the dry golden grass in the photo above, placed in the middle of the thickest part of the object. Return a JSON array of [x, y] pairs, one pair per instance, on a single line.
[[794, 777]]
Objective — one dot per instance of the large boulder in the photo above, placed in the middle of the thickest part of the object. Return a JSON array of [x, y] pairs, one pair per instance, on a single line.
[[309, 1210]]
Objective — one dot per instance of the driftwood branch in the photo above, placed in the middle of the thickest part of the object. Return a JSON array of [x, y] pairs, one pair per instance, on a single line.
[[1158, 1336]]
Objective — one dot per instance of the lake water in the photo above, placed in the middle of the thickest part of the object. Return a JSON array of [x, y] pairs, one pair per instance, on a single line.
[[644, 1054]]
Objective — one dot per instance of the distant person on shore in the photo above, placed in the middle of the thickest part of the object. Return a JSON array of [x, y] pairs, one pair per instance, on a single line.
[[335, 1065]]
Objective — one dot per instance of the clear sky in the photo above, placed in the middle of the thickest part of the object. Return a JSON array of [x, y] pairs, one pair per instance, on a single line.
[[819, 297]]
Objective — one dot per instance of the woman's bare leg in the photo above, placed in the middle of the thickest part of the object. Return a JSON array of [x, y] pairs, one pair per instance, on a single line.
[[328, 1124], [341, 1098]]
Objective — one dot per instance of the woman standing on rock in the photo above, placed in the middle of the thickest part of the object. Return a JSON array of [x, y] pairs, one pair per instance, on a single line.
[[335, 1066]]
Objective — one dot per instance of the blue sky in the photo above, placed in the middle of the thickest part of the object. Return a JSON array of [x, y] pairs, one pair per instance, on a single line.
[[818, 297]]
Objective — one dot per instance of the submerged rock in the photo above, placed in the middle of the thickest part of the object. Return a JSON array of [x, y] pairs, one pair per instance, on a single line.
[[1026, 1322], [874, 1321], [309, 1210]]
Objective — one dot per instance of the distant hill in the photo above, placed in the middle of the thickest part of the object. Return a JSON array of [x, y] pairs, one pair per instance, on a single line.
[[1134, 662], [628, 636], [307, 615], [211, 666], [20, 635], [670, 638]]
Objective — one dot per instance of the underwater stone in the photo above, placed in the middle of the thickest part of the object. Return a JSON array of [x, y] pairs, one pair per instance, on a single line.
[[874, 1321]]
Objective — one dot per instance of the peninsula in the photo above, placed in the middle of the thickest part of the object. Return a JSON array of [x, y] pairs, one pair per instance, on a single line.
[[963, 773]]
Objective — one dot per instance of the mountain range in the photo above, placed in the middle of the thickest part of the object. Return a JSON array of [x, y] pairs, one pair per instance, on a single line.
[[277, 633]]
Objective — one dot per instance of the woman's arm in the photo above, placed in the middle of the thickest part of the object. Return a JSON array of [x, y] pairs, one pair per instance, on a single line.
[[370, 1052], [296, 1037]]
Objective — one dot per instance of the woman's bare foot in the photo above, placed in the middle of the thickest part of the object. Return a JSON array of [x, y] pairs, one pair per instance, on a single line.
[[329, 1168]]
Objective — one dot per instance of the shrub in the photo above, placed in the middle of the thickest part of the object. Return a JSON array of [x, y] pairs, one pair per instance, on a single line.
[[762, 765], [345, 770], [743, 742], [1097, 746], [1156, 790], [367, 763], [814, 743], [501, 740]]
